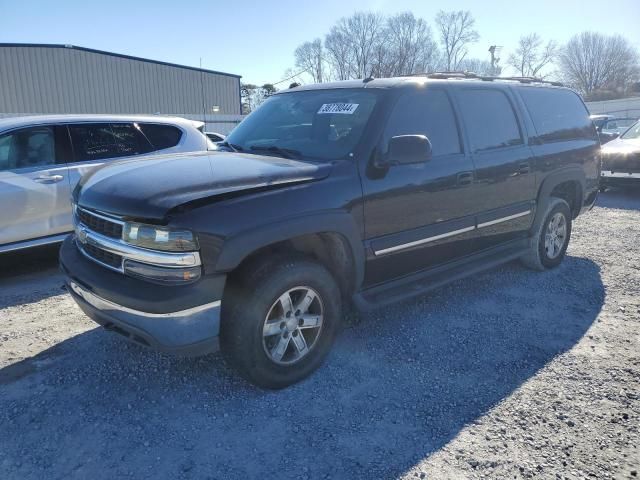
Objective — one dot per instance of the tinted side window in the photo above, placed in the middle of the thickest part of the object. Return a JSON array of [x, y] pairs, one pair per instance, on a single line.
[[557, 114], [28, 147], [161, 136], [489, 119], [93, 141], [98, 141], [428, 113], [129, 139]]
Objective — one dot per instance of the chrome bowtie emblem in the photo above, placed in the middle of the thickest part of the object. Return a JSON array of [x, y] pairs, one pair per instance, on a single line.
[[82, 235]]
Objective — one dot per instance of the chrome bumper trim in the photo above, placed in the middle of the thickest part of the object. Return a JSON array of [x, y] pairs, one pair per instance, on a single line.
[[102, 304], [610, 174]]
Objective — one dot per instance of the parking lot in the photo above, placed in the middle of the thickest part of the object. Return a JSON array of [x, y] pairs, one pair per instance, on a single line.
[[510, 373]]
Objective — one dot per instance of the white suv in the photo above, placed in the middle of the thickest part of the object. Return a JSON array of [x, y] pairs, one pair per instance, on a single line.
[[42, 158]]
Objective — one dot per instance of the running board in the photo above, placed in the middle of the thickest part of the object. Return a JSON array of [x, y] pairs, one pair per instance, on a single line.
[[422, 282]]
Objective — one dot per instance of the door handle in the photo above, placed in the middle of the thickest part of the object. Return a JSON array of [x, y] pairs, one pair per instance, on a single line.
[[465, 178], [524, 168], [49, 178]]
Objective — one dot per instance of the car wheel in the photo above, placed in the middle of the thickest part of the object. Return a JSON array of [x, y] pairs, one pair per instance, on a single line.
[[280, 321], [551, 239]]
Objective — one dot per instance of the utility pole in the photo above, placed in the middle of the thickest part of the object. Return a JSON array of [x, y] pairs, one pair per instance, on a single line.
[[494, 50]]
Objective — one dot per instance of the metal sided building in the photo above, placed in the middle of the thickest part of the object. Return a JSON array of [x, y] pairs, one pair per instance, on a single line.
[[42, 79]]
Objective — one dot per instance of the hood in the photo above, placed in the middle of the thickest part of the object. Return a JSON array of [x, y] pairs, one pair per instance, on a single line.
[[149, 187], [621, 155]]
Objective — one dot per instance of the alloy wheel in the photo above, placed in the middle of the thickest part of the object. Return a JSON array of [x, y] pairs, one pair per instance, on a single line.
[[293, 325], [555, 235]]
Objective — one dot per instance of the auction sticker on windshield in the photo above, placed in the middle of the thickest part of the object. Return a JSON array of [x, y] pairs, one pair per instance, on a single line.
[[343, 108]]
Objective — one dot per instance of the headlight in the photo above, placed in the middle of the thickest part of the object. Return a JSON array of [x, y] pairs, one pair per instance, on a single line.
[[159, 238]]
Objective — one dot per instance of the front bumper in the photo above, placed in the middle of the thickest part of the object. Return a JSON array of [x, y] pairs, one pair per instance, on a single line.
[[620, 179], [184, 320]]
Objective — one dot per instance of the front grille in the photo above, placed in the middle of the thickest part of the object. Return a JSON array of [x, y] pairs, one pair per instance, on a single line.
[[99, 224], [102, 256]]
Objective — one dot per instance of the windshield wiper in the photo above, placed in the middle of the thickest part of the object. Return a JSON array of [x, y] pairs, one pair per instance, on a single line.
[[231, 146], [283, 152]]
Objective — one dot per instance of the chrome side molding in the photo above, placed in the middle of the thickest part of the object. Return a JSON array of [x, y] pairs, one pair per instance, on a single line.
[[452, 233]]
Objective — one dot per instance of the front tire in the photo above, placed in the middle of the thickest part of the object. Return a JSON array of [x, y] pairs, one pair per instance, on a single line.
[[551, 239], [280, 320]]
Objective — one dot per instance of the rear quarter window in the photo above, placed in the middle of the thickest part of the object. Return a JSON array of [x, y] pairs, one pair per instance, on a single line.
[[557, 114], [161, 136]]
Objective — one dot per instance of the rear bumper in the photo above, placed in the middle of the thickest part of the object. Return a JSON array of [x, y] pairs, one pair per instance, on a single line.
[[184, 320]]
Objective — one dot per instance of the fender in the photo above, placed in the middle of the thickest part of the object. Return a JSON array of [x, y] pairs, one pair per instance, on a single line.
[[570, 173], [237, 248]]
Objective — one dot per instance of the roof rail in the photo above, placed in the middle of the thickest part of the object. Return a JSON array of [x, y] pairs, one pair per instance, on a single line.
[[486, 78]]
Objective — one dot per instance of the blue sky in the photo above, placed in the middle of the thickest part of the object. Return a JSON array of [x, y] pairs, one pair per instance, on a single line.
[[256, 39]]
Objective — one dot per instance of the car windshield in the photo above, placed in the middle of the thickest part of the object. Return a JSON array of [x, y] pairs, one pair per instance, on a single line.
[[632, 133], [316, 124]]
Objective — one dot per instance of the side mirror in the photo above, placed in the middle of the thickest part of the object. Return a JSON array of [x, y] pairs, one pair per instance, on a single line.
[[407, 149]]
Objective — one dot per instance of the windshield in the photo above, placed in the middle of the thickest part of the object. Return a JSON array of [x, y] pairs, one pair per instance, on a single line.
[[633, 132], [317, 124]]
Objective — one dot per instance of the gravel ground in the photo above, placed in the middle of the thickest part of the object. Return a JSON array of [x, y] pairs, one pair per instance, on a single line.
[[508, 374]]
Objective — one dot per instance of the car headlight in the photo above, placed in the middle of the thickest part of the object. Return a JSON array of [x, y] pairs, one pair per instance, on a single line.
[[159, 238]]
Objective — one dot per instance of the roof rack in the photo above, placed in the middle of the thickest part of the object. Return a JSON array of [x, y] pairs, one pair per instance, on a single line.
[[485, 78]]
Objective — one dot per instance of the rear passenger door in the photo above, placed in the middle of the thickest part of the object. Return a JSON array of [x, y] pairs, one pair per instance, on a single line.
[[97, 143], [504, 185]]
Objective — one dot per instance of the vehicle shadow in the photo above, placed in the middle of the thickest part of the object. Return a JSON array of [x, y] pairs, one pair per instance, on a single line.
[[622, 198], [399, 385], [21, 270]]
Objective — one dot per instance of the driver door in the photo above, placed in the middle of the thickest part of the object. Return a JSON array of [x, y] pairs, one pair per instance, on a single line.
[[34, 185], [419, 215]]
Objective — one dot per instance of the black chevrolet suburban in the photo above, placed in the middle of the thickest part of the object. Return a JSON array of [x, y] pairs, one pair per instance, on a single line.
[[355, 193]]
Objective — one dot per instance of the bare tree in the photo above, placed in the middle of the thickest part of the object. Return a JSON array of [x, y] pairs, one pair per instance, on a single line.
[[481, 67], [591, 61], [353, 44], [309, 57], [410, 45], [339, 55], [456, 34], [532, 56], [253, 95]]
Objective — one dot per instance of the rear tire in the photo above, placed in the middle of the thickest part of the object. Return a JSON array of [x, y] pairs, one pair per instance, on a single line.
[[551, 239], [280, 320]]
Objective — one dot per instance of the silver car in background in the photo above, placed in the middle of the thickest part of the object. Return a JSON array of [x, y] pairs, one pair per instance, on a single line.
[[42, 158]]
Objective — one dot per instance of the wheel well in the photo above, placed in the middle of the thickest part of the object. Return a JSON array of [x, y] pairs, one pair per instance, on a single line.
[[571, 192], [328, 248]]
